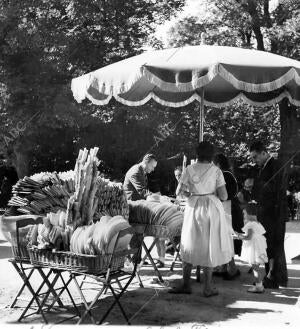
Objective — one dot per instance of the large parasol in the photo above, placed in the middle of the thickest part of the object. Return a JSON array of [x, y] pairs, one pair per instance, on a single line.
[[212, 75]]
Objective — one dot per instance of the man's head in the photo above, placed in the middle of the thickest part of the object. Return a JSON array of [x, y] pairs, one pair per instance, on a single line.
[[221, 161], [178, 173], [259, 153], [149, 162]]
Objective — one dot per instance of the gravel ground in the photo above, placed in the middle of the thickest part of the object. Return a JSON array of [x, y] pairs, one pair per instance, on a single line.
[[152, 305]]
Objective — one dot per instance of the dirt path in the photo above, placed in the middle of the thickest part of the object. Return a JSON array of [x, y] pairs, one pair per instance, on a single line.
[[153, 306]]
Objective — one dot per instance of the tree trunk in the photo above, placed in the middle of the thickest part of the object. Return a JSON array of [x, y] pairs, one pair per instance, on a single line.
[[21, 161], [289, 144], [256, 23], [290, 130]]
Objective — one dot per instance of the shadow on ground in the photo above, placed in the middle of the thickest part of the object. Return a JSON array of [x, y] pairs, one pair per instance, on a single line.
[[153, 305]]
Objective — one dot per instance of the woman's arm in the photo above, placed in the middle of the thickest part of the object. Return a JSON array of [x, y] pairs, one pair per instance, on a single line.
[[182, 189], [222, 193], [246, 236], [240, 197]]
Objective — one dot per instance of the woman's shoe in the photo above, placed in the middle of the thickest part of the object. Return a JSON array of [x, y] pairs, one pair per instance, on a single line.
[[211, 293]]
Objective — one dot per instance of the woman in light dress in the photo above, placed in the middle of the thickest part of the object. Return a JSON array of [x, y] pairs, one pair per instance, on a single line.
[[205, 239]]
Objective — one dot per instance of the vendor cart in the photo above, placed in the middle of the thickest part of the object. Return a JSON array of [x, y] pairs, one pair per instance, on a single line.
[[108, 272]]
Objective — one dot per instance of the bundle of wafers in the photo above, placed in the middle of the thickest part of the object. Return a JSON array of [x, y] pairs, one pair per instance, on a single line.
[[112, 199], [43, 192], [83, 203]]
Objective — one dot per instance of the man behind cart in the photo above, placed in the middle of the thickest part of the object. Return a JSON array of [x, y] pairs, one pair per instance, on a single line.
[[136, 184], [136, 181]]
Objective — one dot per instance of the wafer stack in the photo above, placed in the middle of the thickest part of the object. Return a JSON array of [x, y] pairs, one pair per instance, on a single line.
[[82, 204], [112, 199], [42, 193]]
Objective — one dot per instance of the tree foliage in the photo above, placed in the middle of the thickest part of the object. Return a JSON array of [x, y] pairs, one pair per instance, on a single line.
[[43, 45]]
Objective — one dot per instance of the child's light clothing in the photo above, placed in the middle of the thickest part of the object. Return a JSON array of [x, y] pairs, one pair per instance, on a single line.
[[254, 250]]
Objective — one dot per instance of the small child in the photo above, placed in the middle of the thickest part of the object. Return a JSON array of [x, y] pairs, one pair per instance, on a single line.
[[254, 244]]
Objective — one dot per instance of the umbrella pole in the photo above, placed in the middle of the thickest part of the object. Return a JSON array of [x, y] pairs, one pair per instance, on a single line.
[[201, 116]]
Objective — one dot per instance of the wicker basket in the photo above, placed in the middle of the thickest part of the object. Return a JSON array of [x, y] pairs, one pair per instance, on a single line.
[[92, 264], [9, 229], [21, 252]]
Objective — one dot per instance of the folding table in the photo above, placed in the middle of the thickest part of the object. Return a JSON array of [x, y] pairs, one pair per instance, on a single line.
[[49, 278], [157, 232], [107, 279]]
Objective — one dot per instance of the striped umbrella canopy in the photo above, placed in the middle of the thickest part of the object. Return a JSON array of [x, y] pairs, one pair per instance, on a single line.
[[212, 75]]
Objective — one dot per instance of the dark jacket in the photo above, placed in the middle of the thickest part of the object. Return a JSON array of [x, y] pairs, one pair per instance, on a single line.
[[269, 191], [136, 183]]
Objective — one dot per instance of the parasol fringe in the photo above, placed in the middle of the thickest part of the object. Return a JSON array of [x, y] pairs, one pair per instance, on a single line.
[[81, 85], [290, 75], [218, 69], [197, 82], [196, 97], [249, 101]]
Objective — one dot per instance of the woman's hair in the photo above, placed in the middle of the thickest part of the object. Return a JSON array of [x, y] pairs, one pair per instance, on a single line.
[[222, 161], [205, 151], [251, 208], [148, 157]]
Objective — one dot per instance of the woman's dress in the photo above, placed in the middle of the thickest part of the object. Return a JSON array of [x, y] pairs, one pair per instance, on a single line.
[[205, 238]]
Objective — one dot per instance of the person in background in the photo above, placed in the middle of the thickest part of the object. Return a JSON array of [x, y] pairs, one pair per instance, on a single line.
[[205, 239], [270, 193], [254, 249], [178, 173], [8, 178], [234, 214], [169, 246], [136, 182], [245, 194]]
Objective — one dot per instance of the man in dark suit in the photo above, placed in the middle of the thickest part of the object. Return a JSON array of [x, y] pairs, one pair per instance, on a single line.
[[136, 182], [269, 192], [136, 186]]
